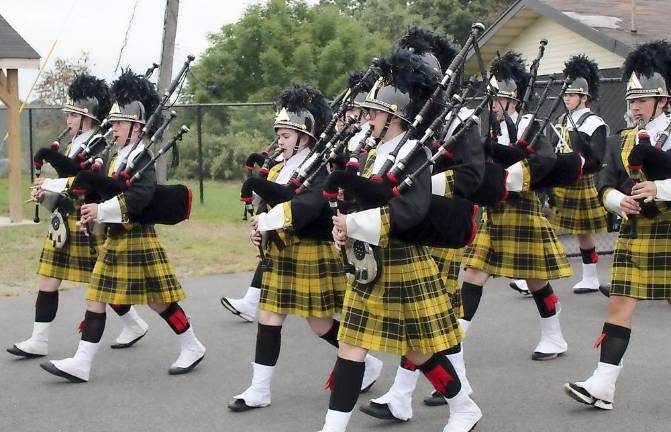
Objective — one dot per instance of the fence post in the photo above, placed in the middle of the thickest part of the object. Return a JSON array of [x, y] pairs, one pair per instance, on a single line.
[[30, 144], [199, 123]]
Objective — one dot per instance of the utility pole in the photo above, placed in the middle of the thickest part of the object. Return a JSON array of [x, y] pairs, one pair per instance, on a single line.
[[165, 73]]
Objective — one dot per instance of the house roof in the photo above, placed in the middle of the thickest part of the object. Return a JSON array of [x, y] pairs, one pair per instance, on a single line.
[[13, 46], [607, 23]]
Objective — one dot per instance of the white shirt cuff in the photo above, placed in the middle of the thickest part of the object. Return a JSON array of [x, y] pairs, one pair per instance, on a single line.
[[515, 178], [55, 185], [438, 184], [273, 220], [109, 211], [612, 200], [663, 190], [365, 226]]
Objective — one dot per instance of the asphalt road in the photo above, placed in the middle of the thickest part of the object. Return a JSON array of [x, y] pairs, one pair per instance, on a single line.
[[130, 390]]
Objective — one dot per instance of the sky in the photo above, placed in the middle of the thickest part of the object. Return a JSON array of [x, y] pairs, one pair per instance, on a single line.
[[99, 27]]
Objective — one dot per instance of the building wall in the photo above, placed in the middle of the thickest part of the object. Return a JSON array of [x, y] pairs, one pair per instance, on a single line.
[[562, 43]]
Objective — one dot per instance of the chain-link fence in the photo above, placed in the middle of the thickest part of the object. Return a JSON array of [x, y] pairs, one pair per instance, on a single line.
[[221, 137]]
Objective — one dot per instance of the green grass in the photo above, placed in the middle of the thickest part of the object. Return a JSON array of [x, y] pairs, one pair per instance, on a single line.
[[213, 241]]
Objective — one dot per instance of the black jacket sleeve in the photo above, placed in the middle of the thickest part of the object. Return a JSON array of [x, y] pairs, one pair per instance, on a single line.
[[408, 209], [142, 190]]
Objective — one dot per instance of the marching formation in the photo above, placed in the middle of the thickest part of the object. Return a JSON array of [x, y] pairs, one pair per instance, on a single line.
[[366, 209]]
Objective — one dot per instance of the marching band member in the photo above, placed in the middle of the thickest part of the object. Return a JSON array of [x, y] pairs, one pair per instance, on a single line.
[[640, 269], [406, 310], [516, 240], [132, 267], [74, 256], [247, 306], [304, 276], [458, 175], [577, 209]]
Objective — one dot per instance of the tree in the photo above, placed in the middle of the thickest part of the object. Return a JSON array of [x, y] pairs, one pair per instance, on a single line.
[[53, 87], [281, 42], [391, 18]]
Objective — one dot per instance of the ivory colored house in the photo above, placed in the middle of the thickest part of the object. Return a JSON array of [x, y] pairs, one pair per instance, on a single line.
[[606, 30]]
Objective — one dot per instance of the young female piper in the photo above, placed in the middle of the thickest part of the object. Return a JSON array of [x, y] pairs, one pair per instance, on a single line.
[[406, 310], [87, 105], [641, 268], [132, 267], [577, 209], [304, 275], [516, 240]]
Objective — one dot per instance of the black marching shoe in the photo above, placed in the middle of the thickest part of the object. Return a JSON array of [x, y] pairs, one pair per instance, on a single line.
[[49, 367], [380, 411], [239, 405], [519, 289], [20, 353], [605, 290], [435, 399]]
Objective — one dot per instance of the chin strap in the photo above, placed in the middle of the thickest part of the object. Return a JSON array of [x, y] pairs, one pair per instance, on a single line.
[[385, 128]]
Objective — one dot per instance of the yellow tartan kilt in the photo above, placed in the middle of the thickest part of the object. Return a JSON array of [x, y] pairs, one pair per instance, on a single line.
[[133, 268], [642, 264], [449, 262], [577, 209], [516, 241], [75, 260], [406, 309], [305, 279]]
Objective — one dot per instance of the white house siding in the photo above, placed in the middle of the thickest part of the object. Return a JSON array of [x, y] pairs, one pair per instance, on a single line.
[[562, 43]]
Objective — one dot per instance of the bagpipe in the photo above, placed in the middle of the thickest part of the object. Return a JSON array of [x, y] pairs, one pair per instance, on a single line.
[[127, 165], [170, 204], [653, 162], [88, 156], [275, 193], [545, 170], [449, 222]]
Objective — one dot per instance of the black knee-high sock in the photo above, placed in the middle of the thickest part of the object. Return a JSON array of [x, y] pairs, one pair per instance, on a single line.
[[46, 306], [331, 336], [546, 301], [407, 364], [470, 298], [614, 340], [347, 378], [176, 318], [440, 372], [93, 326], [589, 256], [268, 343], [121, 310]]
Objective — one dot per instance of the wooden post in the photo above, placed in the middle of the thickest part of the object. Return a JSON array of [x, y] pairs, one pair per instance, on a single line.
[[10, 96], [165, 73]]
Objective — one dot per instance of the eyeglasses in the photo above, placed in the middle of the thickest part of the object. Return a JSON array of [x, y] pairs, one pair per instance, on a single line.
[[372, 113]]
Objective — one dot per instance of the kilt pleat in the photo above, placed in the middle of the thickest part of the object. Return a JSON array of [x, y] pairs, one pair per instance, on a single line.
[[304, 279], [406, 308], [642, 262], [577, 209], [133, 268], [449, 263], [74, 261], [515, 240]]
